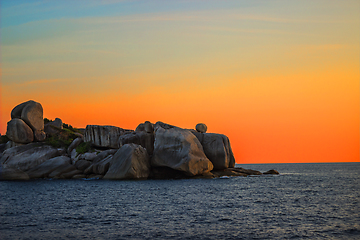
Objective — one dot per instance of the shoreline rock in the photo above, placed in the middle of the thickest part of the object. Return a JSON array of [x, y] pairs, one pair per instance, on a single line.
[[151, 151]]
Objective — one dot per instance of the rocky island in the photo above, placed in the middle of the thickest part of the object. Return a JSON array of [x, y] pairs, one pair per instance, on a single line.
[[34, 147]]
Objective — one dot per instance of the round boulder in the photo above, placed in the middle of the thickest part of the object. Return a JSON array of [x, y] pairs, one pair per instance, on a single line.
[[19, 132], [32, 114], [201, 127]]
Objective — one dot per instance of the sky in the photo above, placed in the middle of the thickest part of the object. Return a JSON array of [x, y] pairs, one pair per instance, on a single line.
[[279, 78]]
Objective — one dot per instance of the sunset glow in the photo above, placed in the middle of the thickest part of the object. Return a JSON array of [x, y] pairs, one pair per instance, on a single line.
[[279, 78]]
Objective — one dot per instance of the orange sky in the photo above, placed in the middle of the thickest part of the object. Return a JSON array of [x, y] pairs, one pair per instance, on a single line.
[[281, 80]]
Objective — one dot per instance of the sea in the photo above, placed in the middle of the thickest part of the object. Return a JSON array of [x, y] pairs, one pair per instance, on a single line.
[[306, 201]]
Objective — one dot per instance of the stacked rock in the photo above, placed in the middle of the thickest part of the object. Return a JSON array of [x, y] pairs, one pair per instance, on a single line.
[[27, 123]]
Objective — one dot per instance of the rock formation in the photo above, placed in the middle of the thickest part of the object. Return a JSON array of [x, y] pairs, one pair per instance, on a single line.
[[179, 149], [157, 151], [28, 114], [131, 161], [103, 136]]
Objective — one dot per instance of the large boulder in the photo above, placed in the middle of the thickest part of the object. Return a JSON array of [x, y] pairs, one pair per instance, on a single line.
[[19, 132], [142, 138], [44, 169], [103, 136], [28, 156], [217, 148], [12, 174], [131, 161], [179, 149], [32, 114]]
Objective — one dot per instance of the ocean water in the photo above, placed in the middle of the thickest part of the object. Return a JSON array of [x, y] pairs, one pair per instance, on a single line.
[[307, 201]]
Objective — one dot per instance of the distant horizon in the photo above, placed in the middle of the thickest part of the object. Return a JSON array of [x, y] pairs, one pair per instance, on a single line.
[[281, 78]]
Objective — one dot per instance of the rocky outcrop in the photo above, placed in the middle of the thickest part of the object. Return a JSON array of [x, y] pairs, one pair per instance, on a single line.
[[130, 162], [31, 113], [201, 127], [12, 174], [217, 148], [157, 151], [145, 139], [103, 136], [44, 169], [28, 156], [179, 149], [19, 132]]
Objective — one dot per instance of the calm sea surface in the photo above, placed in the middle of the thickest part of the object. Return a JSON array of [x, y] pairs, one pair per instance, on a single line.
[[307, 201]]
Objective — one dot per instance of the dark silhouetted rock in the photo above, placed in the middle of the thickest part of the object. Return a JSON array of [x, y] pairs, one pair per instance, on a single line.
[[272, 171], [63, 169], [245, 171], [179, 149], [28, 156], [103, 136], [44, 169], [131, 161], [142, 138], [140, 127], [56, 123], [70, 174], [18, 131], [201, 127], [39, 135], [12, 174], [82, 164]]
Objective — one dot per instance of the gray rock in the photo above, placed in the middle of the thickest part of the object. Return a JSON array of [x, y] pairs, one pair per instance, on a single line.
[[82, 164], [74, 144], [142, 138], [148, 127], [39, 135], [179, 149], [217, 148], [70, 174], [32, 114], [103, 136], [131, 161], [140, 127], [104, 154], [44, 169], [19, 132], [201, 127], [102, 167], [89, 156], [11, 144], [56, 123], [62, 170], [12, 174], [28, 156]]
